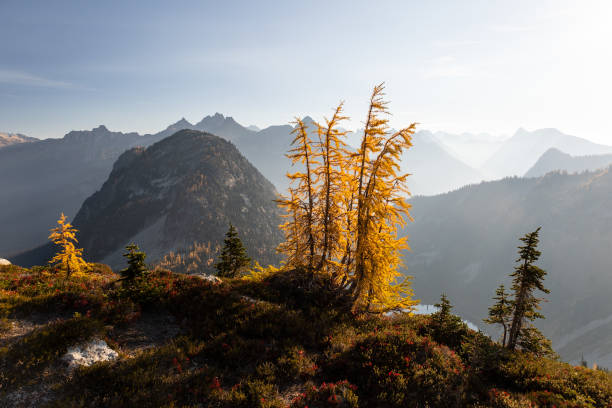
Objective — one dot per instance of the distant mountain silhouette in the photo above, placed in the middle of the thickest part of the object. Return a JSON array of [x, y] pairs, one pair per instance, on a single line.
[[555, 160], [40, 180], [224, 126], [44, 178], [519, 153], [464, 243], [8, 139], [176, 199], [472, 149], [173, 128], [433, 170]]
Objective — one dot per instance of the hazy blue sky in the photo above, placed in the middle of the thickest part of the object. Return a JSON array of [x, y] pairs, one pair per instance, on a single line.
[[478, 66]]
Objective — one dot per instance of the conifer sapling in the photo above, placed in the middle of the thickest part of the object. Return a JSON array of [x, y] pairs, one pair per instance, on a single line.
[[69, 258], [500, 312], [233, 257], [527, 278], [136, 263]]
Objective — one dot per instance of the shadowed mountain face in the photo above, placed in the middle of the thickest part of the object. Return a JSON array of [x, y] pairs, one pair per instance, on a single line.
[[40, 180], [176, 199], [9, 139], [556, 160], [464, 243], [519, 153], [266, 149]]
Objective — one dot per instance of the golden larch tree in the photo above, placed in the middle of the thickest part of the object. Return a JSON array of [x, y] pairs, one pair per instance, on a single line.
[[69, 258], [331, 173], [300, 233], [345, 208]]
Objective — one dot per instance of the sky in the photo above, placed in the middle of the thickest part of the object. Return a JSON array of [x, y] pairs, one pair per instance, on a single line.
[[457, 66]]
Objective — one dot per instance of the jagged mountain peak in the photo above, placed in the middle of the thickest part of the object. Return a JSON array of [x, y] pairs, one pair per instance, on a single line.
[[182, 121], [224, 126], [217, 118]]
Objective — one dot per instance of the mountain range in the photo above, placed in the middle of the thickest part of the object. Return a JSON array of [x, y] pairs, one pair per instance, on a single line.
[[556, 160], [42, 178], [472, 149], [433, 170], [519, 153], [464, 243], [39, 180], [8, 139], [176, 199]]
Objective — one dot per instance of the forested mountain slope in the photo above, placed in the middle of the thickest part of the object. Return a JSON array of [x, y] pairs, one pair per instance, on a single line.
[[464, 243], [555, 160]]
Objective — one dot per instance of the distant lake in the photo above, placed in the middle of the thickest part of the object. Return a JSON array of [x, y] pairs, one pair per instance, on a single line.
[[429, 309]]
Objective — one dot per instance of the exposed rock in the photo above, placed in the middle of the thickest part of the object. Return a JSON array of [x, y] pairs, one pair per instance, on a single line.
[[210, 278], [89, 353]]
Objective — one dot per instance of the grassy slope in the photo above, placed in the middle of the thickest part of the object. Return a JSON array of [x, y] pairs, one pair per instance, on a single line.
[[267, 343]]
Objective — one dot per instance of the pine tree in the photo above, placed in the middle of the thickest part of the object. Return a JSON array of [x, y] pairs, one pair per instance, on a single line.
[[233, 256], [527, 278], [447, 328], [69, 258], [501, 311], [443, 313], [136, 263], [533, 341]]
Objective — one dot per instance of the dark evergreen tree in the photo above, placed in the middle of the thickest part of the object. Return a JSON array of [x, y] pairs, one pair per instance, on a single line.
[[448, 328], [444, 310], [136, 263], [527, 278], [233, 257], [501, 311], [533, 341]]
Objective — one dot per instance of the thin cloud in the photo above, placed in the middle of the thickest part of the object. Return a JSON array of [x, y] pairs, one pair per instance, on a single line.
[[26, 79]]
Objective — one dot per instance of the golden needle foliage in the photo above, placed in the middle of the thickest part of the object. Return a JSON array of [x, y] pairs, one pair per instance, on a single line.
[[344, 208], [69, 258]]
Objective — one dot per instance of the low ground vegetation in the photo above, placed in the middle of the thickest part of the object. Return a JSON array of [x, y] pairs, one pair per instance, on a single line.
[[279, 340]]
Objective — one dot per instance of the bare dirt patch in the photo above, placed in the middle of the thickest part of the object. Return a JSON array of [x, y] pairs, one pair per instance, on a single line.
[[152, 329]]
